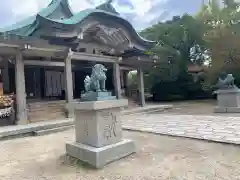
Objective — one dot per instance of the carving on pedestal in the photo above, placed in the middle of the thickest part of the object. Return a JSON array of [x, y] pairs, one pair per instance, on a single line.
[[110, 128]]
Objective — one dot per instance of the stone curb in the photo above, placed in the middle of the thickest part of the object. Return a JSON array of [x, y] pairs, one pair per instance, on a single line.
[[148, 109], [181, 135], [11, 131]]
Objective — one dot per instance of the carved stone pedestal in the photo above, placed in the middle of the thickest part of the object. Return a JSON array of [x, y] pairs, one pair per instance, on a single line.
[[98, 132], [228, 101]]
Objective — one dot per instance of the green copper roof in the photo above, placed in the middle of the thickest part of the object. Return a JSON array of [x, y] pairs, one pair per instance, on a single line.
[[106, 10], [44, 13], [79, 17]]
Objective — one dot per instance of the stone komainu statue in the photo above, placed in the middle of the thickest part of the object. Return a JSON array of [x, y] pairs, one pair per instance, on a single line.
[[96, 82], [226, 83]]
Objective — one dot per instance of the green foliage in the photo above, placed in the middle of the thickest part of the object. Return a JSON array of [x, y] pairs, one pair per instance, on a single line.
[[174, 39], [222, 37], [132, 80], [182, 88], [215, 28]]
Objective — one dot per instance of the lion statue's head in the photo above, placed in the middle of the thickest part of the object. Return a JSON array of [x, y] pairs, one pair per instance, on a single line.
[[99, 71]]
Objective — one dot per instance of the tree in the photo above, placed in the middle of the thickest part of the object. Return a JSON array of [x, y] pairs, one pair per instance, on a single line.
[[174, 40], [199, 56], [225, 50], [221, 36]]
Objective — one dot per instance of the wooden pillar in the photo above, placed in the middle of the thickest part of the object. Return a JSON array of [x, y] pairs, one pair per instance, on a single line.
[[69, 84], [125, 81], [122, 78], [117, 80], [20, 90], [5, 77], [141, 87]]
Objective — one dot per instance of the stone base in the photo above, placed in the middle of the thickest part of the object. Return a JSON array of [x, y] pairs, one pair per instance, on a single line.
[[99, 157], [97, 96], [228, 101], [227, 109], [228, 98]]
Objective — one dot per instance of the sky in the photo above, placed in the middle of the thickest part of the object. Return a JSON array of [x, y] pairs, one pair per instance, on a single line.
[[141, 13]]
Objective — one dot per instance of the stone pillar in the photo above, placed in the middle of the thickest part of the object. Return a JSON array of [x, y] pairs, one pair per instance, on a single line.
[[69, 84], [117, 80], [5, 77], [141, 87], [20, 90], [98, 133]]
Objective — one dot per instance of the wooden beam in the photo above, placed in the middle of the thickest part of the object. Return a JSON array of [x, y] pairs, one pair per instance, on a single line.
[[49, 51], [127, 68], [94, 57], [28, 50], [16, 40], [44, 52], [139, 59], [44, 63]]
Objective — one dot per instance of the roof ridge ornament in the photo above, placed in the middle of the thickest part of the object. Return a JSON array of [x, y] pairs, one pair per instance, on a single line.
[[109, 1], [107, 7]]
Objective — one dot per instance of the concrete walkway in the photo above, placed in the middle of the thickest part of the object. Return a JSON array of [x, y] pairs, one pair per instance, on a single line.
[[12, 131], [213, 128]]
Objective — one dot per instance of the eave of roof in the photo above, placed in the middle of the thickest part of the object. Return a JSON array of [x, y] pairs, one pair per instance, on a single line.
[[82, 15], [74, 19]]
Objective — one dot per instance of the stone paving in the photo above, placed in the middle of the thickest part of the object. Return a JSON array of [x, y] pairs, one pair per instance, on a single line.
[[214, 128]]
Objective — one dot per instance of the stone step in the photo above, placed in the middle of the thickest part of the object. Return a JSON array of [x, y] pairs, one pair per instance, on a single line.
[[46, 118], [53, 130], [21, 130], [48, 110], [46, 102], [45, 105], [43, 113]]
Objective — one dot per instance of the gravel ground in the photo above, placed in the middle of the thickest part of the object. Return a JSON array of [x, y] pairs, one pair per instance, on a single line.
[[157, 158]]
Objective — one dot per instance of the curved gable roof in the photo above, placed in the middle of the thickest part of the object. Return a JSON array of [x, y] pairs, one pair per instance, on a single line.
[[82, 15], [106, 10]]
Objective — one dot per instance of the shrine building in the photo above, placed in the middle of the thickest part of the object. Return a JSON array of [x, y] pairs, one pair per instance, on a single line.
[[45, 58]]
